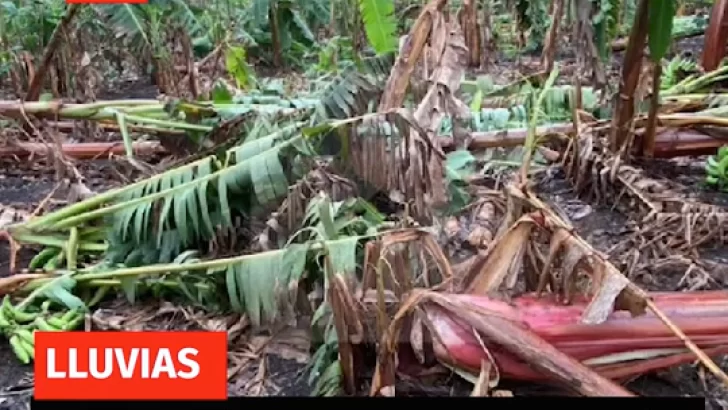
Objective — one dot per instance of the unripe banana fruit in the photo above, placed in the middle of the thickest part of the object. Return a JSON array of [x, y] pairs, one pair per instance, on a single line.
[[19, 348], [716, 168]]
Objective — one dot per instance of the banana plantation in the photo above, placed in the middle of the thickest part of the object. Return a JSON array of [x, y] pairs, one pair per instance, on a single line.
[[374, 197]]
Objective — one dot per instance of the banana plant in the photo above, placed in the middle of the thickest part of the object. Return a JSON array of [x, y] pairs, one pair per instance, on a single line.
[[150, 227]]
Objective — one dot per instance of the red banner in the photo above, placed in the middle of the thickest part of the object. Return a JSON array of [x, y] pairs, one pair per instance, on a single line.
[[130, 365]]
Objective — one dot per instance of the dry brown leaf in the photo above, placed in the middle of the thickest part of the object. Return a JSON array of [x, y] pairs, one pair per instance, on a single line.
[[481, 386], [502, 393], [291, 344], [237, 328], [399, 78], [557, 241], [503, 259], [609, 285]]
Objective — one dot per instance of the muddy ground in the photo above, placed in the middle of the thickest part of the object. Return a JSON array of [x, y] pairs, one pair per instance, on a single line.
[[24, 184]]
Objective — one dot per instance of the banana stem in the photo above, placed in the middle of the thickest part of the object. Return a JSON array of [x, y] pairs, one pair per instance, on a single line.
[[91, 208], [88, 204], [692, 85], [39, 290], [48, 240], [216, 265]]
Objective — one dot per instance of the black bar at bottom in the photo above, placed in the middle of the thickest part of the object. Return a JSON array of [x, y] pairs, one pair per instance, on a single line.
[[352, 403]]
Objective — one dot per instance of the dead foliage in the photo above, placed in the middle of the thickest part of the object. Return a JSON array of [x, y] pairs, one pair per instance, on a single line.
[[668, 224]]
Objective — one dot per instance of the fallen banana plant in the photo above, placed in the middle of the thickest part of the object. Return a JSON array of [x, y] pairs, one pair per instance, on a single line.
[[500, 330], [618, 348], [581, 346]]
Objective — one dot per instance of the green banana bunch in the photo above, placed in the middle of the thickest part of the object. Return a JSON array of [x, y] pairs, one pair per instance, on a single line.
[[10, 315], [23, 345], [48, 259], [20, 326], [61, 321], [716, 168]]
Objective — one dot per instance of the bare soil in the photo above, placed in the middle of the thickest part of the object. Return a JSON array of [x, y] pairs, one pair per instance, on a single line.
[[14, 392]]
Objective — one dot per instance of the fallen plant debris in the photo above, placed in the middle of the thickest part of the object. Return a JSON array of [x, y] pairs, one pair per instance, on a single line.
[[385, 209], [607, 347]]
